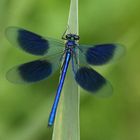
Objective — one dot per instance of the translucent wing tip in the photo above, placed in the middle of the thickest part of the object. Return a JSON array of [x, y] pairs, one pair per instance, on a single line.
[[119, 51], [11, 33], [105, 91], [13, 76], [10, 29]]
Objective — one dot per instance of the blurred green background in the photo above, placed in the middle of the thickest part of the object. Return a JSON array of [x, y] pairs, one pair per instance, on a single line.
[[24, 109]]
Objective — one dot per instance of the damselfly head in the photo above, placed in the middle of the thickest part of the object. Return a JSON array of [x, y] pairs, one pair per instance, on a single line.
[[72, 37]]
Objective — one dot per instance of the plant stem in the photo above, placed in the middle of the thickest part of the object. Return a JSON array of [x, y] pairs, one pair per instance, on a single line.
[[66, 126]]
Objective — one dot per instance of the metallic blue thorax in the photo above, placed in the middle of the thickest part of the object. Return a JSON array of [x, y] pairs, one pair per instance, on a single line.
[[71, 43]]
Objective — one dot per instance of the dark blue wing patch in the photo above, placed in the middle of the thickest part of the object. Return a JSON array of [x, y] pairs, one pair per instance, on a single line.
[[89, 79], [32, 43], [35, 70], [100, 54]]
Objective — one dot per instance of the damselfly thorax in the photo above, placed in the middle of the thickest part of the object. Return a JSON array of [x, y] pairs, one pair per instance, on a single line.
[[71, 41], [71, 46]]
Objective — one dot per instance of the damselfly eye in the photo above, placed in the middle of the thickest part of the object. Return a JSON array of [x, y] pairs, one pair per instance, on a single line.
[[68, 36], [76, 37]]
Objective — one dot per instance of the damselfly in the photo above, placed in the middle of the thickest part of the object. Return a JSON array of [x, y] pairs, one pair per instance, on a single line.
[[56, 52]]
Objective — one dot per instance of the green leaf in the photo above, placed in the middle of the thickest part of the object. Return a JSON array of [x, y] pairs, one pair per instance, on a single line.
[[66, 125]]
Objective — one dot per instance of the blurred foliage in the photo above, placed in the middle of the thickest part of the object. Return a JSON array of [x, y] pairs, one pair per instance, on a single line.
[[24, 109]]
